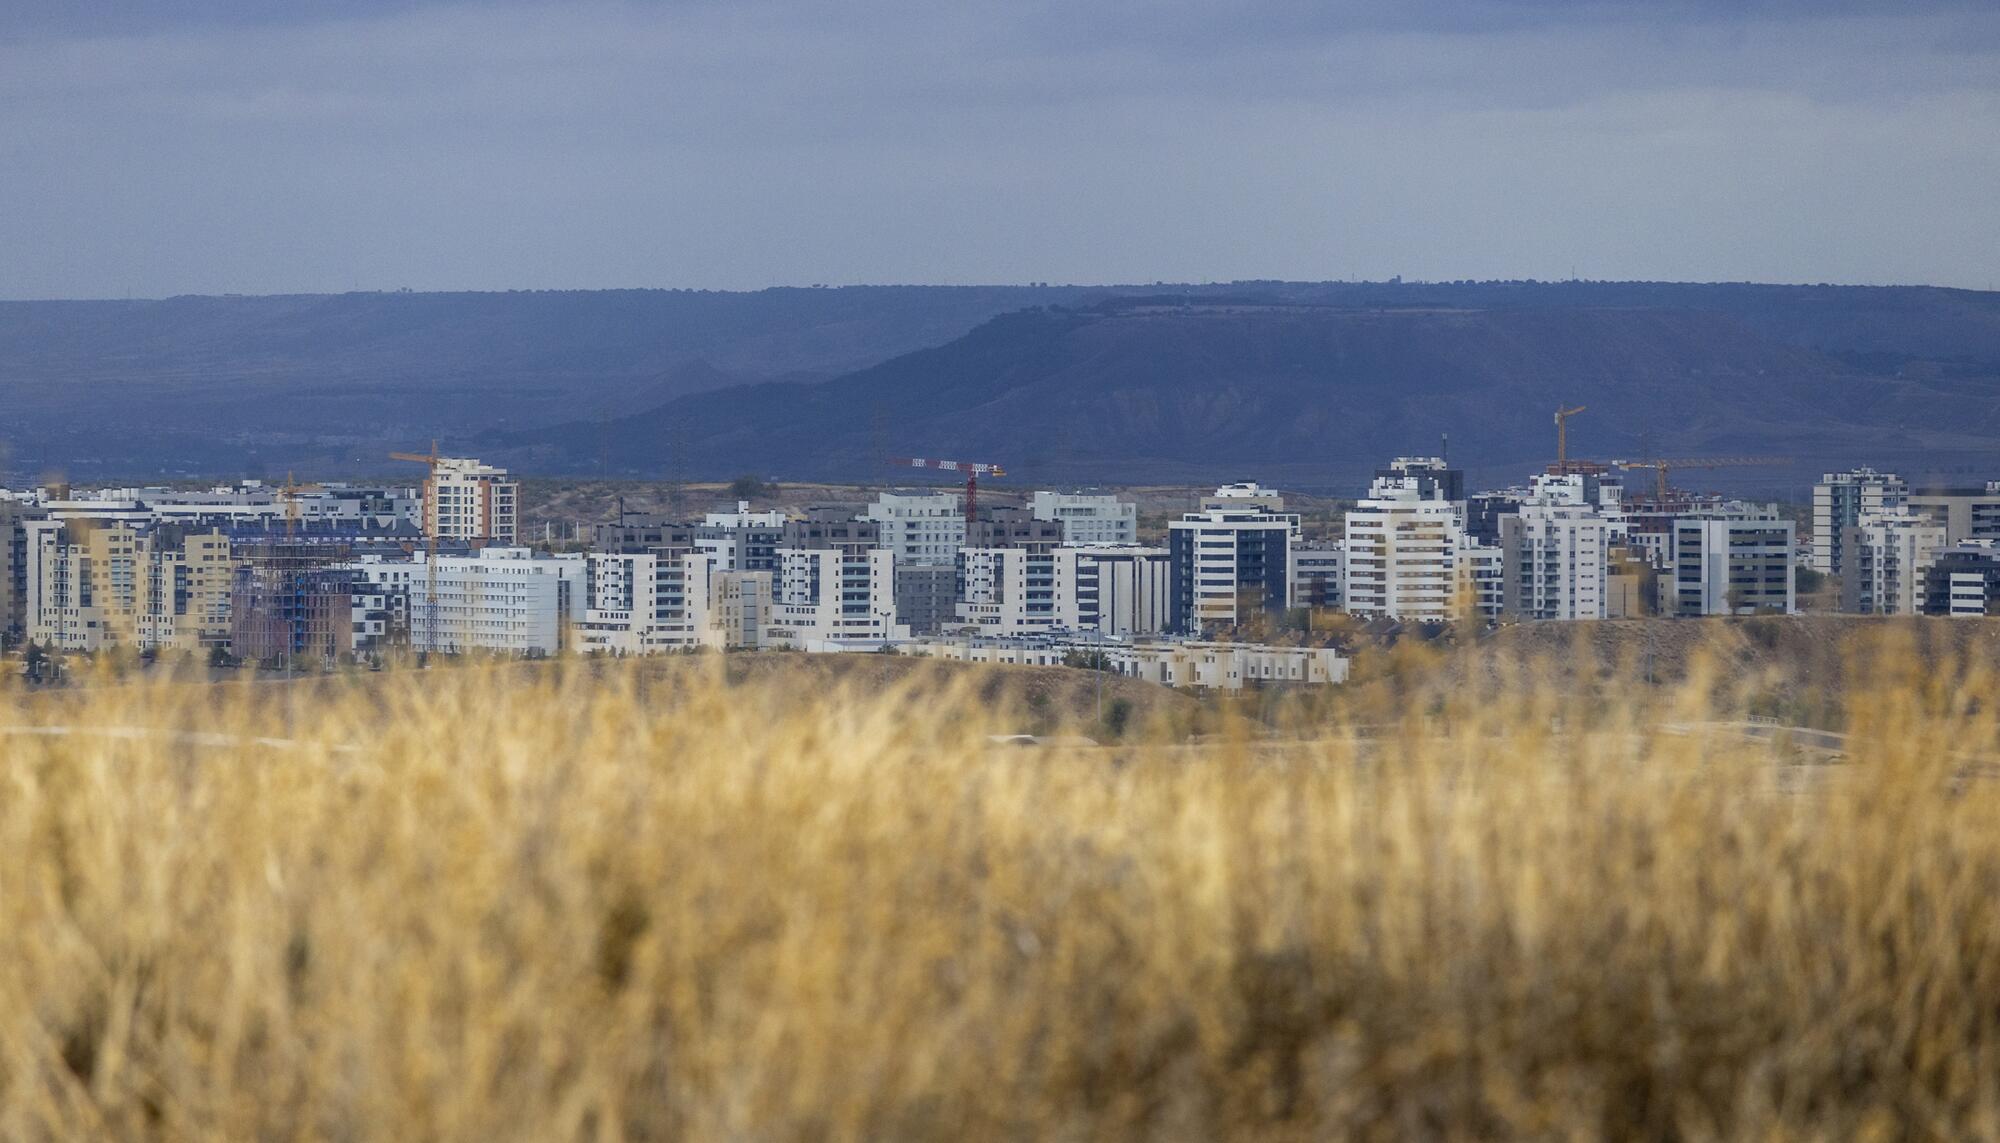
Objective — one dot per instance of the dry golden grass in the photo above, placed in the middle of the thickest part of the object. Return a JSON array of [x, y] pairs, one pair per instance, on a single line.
[[555, 905]]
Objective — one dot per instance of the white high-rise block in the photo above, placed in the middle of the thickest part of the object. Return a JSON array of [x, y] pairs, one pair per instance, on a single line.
[[1089, 518]]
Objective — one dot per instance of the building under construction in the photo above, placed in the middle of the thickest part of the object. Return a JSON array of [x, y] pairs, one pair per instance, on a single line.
[[292, 600]]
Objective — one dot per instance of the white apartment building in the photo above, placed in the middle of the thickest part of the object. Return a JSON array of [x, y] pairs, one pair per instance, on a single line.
[[648, 603], [1730, 565], [919, 528], [1553, 552], [1319, 575], [1884, 561], [1119, 590], [832, 598], [1840, 501], [1009, 591], [1481, 578], [1088, 518], [1406, 552], [505, 600], [1964, 581], [1968, 514], [1229, 563], [470, 501], [742, 540]]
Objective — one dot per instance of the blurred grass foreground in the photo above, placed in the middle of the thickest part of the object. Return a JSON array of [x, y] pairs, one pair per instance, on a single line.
[[605, 902]]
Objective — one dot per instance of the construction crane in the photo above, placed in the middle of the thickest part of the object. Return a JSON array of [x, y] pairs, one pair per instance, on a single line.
[[1562, 434], [432, 516], [290, 495], [972, 473], [1662, 467]]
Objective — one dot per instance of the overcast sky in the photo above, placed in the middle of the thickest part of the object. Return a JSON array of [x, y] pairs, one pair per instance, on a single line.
[[156, 147]]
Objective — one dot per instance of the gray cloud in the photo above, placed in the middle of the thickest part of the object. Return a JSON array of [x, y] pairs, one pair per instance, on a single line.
[[209, 146]]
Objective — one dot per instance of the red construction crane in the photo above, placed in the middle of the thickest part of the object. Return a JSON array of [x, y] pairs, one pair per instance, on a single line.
[[972, 473]]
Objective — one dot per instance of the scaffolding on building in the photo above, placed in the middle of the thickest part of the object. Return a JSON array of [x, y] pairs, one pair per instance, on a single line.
[[292, 603]]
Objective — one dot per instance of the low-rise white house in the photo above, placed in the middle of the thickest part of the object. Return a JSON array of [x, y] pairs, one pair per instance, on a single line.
[[1168, 662]]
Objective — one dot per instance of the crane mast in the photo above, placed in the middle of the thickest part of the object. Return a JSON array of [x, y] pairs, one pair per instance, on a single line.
[[431, 519]]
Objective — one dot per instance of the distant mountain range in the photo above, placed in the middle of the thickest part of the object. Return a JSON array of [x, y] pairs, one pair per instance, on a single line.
[[1310, 384], [1316, 393], [329, 382]]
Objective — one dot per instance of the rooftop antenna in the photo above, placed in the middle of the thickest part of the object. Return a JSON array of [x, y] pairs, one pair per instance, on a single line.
[[1444, 447]]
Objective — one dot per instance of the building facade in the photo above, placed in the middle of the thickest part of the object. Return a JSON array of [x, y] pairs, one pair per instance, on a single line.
[[1968, 514], [742, 540], [508, 601], [1113, 589], [14, 515], [1840, 501], [926, 596], [834, 597], [919, 528], [1731, 566], [1319, 575], [91, 587], [1552, 560], [1884, 561], [648, 603], [1088, 518], [1964, 582], [1009, 591], [470, 502], [1406, 550], [292, 601], [1229, 564]]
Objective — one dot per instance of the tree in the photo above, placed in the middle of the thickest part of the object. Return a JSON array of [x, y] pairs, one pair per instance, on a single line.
[[749, 487]]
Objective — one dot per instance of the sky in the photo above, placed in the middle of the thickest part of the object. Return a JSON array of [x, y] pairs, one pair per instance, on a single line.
[[158, 147]]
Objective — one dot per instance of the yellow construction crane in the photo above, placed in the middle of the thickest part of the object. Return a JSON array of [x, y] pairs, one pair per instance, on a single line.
[[1562, 434], [430, 537], [291, 497], [1661, 467]]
